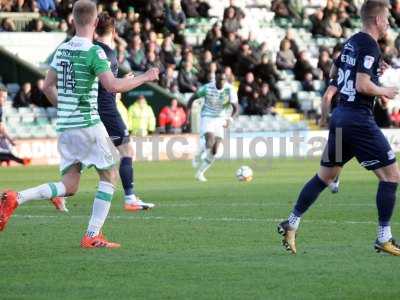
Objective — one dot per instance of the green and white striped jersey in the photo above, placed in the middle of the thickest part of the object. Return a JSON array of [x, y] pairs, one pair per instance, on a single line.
[[216, 101], [78, 62]]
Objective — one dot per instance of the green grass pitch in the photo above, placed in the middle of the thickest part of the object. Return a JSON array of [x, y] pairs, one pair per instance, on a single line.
[[214, 240]]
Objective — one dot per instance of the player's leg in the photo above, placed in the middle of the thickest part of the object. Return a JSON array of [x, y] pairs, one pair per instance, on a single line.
[[206, 126], [373, 151], [9, 157], [207, 156], [200, 152], [336, 154], [389, 177], [119, 135], [103, 156], [71, 179], [311, 191], [126, 173], [334, 185], [308, 195], [213, 129], [93, 237], [11, 199]]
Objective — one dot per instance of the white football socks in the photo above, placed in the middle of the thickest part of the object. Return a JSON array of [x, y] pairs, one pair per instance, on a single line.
[[294, 221], [384, 234], [101, 207], [130, 199], [42, 192], [207, 158]]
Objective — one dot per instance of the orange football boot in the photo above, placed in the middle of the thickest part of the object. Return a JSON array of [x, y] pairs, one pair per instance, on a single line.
[[98, 241], [138, 205], [59, 203], [132, 207], [27, 161], [8, 205]]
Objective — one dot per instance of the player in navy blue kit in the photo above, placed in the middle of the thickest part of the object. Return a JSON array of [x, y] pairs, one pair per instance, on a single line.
[[353, 131], [112, 120]]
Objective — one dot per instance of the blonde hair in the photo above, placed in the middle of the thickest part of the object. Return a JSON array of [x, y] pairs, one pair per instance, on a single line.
[[84, 12], [371, 9]]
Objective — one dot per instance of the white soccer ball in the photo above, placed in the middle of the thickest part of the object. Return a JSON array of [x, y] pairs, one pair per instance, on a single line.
[[244, 173]]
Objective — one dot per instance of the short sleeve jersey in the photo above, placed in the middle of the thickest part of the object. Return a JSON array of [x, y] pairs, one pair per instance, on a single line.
[[78, 62], [106, 100], [216, 101], [360, 54]]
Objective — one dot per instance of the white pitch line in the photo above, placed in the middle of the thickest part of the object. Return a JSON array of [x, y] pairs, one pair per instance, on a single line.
[[330, 205], [199, 218]]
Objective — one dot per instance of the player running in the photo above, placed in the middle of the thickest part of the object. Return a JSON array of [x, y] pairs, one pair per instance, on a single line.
[[353, 131], [112, 120], [71, 84], [218, 96]]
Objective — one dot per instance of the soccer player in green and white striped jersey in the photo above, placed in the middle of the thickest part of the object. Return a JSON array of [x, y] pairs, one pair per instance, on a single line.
[[71, 84], [218, 96]]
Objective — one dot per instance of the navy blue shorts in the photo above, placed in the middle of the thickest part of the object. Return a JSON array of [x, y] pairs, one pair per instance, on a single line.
[[353, 133], [116, 128]]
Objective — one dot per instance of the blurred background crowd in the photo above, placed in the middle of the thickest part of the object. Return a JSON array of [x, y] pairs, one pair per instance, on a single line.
[[153, 33]]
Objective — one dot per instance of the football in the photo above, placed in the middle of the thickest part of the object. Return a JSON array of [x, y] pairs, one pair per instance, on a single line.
[[244, 173]]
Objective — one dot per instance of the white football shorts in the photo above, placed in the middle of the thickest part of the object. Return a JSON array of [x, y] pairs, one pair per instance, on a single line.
[[89, 147], [212, 125]]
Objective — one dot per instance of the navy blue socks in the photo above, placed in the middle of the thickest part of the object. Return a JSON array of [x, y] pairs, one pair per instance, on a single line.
[[385, 201], [308, 195], [126, 174]]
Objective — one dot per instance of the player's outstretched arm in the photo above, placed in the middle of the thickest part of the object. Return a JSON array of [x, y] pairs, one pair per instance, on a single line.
[[121, 85], [365, 86], [50, 87]]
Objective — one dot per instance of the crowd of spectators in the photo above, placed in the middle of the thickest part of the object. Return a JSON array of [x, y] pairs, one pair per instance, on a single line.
[[28, 96], [151, 34]]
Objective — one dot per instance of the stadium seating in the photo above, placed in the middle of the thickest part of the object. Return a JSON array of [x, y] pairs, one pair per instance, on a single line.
[[27, 122]]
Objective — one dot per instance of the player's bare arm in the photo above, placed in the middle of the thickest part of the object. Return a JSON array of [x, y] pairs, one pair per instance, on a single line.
[[327, 97], [50, 87], [235, 110], [326, 104], [333, 72], [365, 86], [193, 98], [112, 84]]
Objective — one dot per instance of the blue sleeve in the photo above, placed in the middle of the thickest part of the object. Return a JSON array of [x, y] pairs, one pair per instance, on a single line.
[[333, 82], [368, 57]]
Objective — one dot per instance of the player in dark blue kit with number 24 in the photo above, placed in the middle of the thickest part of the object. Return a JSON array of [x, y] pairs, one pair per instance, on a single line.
[[353, 131]]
